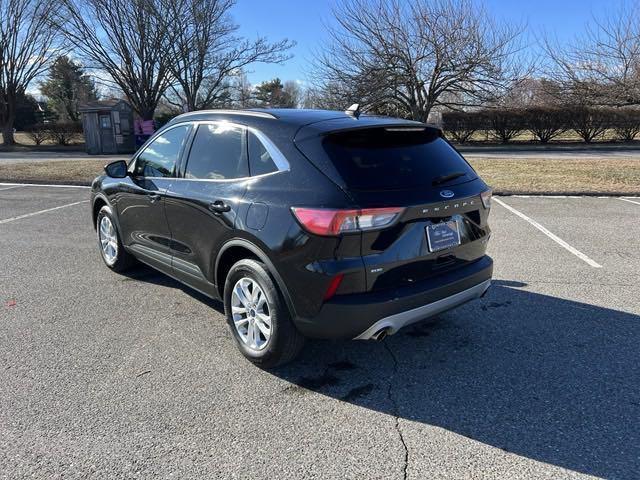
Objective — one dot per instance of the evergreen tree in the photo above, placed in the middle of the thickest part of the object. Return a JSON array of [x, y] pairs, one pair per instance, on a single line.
[[67, 87], [270, 93], [28, 112]]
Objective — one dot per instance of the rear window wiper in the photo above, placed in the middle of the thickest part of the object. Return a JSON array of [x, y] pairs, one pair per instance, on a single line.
[[445, 178]]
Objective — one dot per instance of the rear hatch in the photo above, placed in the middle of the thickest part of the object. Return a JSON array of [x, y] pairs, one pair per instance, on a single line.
[[444, 222]]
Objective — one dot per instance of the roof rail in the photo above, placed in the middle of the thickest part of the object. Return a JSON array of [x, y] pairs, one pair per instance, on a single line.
[[252, 113]]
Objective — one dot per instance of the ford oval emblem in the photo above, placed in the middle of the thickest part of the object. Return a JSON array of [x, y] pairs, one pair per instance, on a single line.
[[446, 193]]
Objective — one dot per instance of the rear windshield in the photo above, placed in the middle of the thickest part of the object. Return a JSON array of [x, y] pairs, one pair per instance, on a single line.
[[385, 158]]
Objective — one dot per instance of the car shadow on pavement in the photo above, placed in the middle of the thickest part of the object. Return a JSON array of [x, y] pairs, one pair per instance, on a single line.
[[144, 273], [550, 379]]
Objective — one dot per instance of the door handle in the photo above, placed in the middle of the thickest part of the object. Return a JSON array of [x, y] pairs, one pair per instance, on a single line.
[[154, 197], [219, 207]]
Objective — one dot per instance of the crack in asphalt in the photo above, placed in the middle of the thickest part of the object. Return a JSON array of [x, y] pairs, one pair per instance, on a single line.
[[396, 409]]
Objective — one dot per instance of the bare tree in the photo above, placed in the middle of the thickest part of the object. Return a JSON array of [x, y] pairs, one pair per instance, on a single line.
[[243, 91], [411, 57], [328, 96], [626, 122], [125, 41], [590, 123], [207, 51], [27, 46], [292, 93], [601, 66]]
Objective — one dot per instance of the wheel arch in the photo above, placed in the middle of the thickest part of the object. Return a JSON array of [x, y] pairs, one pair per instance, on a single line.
[[98, 202], [237, 249]]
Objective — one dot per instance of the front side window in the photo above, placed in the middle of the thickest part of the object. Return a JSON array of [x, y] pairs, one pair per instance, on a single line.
[[159, 158], [218, 152]]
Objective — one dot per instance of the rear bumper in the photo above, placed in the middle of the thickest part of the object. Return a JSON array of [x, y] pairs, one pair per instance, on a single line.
[[393, 323], [360, 316]]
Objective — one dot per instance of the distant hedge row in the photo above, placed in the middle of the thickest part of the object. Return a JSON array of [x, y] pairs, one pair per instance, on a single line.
[[544, 124], [59, 133]]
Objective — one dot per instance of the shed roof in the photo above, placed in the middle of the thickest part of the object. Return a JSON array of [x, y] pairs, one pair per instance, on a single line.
[[100, 105]]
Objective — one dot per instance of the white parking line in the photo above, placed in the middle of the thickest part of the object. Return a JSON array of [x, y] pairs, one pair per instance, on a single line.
[[7, 220], [9, 188], [42, 185], [552, 236], [630, 201], [546, 196]]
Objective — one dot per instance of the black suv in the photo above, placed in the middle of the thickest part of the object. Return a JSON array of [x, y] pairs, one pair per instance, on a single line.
[[305, 223]]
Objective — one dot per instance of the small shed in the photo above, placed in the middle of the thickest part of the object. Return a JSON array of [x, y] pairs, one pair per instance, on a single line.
[[108, 127]]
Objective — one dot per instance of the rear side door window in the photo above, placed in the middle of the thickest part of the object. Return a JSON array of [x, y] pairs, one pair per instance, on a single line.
[[159, 158], [218, 152]]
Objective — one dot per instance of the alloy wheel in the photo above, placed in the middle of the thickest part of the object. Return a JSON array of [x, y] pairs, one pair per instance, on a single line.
[[251, 313], [108, 240]]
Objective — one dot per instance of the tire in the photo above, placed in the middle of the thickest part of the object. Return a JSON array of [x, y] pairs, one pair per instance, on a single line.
[[116, 257], [284, 341]]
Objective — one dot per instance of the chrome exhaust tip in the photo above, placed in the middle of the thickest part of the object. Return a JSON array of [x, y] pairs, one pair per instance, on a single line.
[[485, 291], [380, 334]]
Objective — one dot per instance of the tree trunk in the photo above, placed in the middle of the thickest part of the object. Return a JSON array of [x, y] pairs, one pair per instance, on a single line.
[[9, 117], [147, 113], [7, 133]]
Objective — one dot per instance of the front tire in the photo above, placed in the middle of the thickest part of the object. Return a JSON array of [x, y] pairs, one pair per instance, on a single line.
[[258, 317], [111, 249]]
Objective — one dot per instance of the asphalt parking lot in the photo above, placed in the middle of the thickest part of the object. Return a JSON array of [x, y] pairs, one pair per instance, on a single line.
[[110, 376]]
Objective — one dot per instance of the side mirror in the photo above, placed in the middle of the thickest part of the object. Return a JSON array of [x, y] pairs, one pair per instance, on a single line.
[[117, 169]]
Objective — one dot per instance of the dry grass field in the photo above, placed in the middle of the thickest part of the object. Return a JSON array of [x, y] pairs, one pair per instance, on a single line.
[[541, 174], [550, 174], [75, 171], [24, 140]]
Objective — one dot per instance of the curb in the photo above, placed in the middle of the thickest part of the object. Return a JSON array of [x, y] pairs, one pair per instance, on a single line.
[[41, 181], [511, 193]]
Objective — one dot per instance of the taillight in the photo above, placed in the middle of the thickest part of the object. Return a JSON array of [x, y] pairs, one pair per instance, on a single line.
[[486, 198], [329, 222]]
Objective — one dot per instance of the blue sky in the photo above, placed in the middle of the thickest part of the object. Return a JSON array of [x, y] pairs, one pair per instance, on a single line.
[[304, 20]]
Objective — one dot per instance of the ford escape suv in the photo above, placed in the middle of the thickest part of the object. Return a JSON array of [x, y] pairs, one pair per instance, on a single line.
[[305, 223]]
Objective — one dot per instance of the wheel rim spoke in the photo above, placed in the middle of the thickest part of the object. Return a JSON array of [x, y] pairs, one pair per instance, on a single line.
[[266, 319], [252, 335], [239, 293], [256, 295], [262, 301], [264, 327], [241, 322], [244, 287], [238, 310]]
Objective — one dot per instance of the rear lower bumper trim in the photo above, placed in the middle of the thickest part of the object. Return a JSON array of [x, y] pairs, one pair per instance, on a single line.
[[393, 323]]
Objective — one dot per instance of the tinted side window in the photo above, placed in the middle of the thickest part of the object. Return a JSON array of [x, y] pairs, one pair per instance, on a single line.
[[260, 161], [159, 158], [218, 152]]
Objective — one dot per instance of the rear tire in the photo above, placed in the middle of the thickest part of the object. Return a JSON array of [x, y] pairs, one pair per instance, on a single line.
[[259, 319], [111, 248]]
